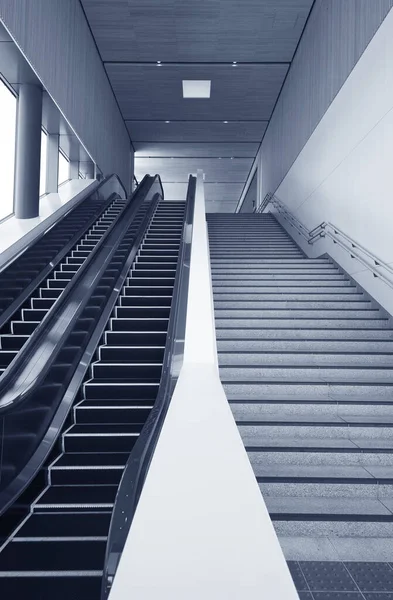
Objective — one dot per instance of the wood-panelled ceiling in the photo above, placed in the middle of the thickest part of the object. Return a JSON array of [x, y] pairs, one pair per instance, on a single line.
[[197, 40]]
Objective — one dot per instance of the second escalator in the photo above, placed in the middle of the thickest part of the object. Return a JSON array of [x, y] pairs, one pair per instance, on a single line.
[[59, 549]]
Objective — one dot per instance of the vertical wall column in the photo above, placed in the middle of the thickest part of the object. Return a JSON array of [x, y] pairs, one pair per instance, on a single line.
[[259, 179], [74, 169], [132, 171], [28, 152], [52, 163]]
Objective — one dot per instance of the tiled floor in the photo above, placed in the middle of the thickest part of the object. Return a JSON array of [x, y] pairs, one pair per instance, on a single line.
[[316, 580]]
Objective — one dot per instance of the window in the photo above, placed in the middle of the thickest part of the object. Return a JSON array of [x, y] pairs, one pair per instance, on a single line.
[[44, 146], [7, 150], [64, 168]]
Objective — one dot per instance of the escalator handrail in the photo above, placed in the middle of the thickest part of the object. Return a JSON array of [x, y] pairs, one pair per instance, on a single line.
[[44, 448], [84, 198], [33, 361], [138, 463]]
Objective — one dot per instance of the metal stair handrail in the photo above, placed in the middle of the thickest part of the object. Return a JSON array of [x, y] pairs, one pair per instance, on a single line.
[[376, 265]]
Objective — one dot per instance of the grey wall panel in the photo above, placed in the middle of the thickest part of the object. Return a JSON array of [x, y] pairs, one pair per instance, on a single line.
[[56, 40], [221, 197], [200, 150], [178, 170], [196, 131], [175, 191], [336, 35]]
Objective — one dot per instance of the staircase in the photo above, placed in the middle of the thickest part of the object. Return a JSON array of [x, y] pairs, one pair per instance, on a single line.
[[58, 551], [18, 329], [306, 361]]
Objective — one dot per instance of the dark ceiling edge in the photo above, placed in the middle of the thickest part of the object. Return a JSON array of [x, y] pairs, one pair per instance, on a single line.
[[229, 157], [193, 142], [185, 182], [278, 97], [195, 64], [105, 71], [197, 121]]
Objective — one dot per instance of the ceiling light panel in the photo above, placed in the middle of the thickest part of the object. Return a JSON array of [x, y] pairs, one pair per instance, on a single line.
[[196, 88]]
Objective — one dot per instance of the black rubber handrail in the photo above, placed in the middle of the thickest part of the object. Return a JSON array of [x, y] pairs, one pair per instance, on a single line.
[[43, 447], [33, 361], [137, 467]]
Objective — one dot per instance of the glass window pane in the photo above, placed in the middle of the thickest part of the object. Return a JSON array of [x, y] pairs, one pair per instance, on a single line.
[[7, 149], [63, 169], [43, 162]]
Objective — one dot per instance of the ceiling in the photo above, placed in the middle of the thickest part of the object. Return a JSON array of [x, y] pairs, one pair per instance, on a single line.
[[197, 40]]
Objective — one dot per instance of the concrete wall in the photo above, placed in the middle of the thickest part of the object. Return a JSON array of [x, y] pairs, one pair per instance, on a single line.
[[336, 35], [55, 38], [250, 199], [344, 173]]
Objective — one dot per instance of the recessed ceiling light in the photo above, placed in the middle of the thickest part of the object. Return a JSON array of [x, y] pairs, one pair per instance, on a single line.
[[167, 121], [196, 88], [225, 121]]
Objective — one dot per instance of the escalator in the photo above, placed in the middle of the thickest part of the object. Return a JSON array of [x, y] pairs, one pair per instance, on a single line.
[[47, 268], [24, 270], [24, 321], [58, 548]]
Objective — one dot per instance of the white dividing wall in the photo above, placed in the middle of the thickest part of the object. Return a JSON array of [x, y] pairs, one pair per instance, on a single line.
[[344, 173], [201, 530]]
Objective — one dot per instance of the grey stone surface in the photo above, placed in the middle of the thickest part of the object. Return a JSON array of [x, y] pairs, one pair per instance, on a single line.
[[302, 374], [326, 490], [308, 548], [313, 472], [306, 361], [335, 529], [326, 506], [253, 359], [342, 457], [370, 548]]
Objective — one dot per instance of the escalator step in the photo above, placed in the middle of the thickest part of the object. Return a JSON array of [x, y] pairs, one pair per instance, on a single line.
[[128, 391], [135, 338], [59, 497], [111, 412], [82, 555], [48, 586], [119, 354], [127, 371], [139, 324], [66, 525]]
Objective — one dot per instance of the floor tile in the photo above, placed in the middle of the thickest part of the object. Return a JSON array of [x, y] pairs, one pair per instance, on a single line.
[[378, 595], [338, 596], [329, 576], [297, 576], [371, 576]]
